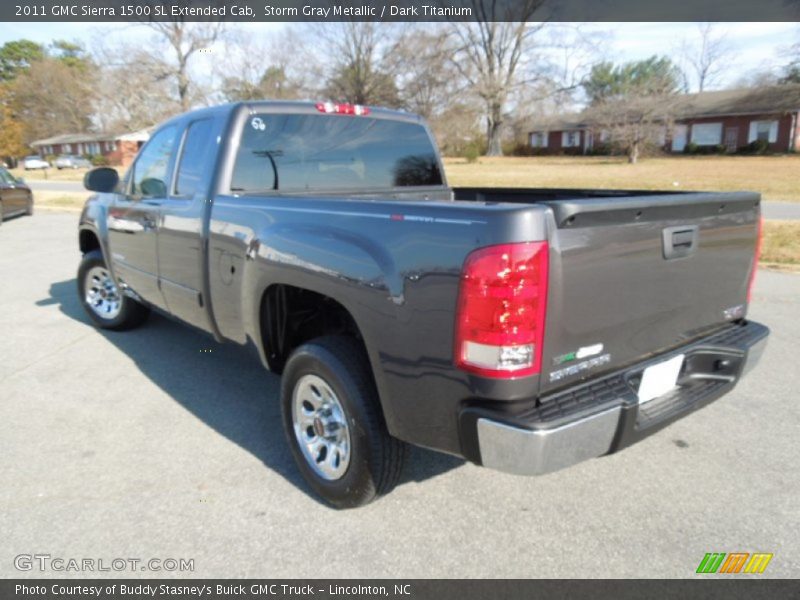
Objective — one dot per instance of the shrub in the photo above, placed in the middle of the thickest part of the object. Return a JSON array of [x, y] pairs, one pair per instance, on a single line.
[[691, 148], [98, 160], [758, 147], [471, 152]]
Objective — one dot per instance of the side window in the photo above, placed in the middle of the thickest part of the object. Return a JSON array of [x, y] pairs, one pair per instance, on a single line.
[[6, 177], [150, 176], [196, 154]]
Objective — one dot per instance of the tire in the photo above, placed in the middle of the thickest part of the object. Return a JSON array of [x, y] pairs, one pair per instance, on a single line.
[[112, 310], [374, 458]]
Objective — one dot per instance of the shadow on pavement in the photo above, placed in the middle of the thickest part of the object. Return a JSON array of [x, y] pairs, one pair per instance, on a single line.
[[223, 385]]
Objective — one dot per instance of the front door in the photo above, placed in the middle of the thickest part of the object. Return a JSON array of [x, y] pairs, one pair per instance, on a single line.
[[134, 217], [731, 139], [679, 134]]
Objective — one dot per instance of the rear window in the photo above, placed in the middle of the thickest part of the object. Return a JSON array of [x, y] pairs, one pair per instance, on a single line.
[[295, 153]]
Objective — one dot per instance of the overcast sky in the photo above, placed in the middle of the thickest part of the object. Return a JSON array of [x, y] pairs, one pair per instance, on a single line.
[[757, 46]]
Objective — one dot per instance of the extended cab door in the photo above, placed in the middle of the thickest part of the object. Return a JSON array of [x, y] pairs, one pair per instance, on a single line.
[[180, 232], [133, 218]]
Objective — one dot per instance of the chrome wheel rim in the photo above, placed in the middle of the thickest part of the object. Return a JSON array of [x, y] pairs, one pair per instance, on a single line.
[[101, 294], [320, 427]]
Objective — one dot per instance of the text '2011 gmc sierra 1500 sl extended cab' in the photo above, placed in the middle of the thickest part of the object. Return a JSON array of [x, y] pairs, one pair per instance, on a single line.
[[522, 329]]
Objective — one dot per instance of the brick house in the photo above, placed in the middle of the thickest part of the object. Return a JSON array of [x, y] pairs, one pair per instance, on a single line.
[[730, 118], [119, 149]]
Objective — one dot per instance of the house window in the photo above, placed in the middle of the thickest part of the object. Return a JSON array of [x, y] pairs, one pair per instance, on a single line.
[[763, 131], [539, 139], [707, 134], [570, 139]]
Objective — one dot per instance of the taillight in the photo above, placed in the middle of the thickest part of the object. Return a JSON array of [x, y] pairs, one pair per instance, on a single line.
[[759, 235], [342, 109], [501, 310]]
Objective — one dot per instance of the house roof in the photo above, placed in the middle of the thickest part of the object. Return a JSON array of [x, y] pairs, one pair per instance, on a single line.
[[81, 138], [777, 99]]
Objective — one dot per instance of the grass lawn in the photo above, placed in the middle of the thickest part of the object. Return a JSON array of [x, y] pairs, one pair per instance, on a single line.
[[781, 243], [775, 177], [52, 174], [60, 200]]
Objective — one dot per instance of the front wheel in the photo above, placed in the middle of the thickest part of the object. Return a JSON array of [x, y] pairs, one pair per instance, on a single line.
[[334, 425], [105, 304]]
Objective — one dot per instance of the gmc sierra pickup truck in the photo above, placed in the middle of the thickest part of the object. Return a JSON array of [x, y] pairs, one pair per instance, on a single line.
[[522, 329]]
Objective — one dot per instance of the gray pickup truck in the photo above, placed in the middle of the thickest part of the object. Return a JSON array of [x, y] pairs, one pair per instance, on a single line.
[[522, 329]]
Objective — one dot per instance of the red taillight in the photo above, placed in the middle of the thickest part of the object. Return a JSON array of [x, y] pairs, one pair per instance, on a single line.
[[759, 235], [501, 310], [342, 109]]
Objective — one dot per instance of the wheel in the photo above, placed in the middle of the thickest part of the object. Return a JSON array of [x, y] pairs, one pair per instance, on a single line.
[[334, 424], [103, 302]]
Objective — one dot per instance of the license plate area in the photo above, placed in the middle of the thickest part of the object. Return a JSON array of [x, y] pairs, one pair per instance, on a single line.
[[659, 379]]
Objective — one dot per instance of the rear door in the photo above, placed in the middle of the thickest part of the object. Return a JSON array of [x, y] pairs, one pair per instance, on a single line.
[[134, 216], [180, 232], [632, 277]]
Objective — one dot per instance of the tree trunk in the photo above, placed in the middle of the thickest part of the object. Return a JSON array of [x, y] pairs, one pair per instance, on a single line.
[[494, 131], [633, 153]]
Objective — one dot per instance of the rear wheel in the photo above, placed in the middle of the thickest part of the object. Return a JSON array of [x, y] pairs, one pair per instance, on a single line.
[[105, 304], [334, 425]]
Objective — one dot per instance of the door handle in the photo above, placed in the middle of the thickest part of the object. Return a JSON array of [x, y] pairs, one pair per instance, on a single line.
[[679, 241]]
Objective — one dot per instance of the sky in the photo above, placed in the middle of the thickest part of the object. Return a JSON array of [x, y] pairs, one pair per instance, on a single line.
[[756, 46]]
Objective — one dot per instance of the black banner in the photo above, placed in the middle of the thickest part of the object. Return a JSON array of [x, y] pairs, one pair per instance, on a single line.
[[416, 589], [397, 10]]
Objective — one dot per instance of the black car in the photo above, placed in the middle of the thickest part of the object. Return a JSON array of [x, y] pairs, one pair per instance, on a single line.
[[16, 197]]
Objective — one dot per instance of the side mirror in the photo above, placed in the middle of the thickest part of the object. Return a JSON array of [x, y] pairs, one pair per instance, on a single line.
[[101, 179]]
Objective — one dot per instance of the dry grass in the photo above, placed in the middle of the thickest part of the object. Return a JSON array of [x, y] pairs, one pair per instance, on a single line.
[[60, 200], [775, 177], [781, 243], [50, 174]]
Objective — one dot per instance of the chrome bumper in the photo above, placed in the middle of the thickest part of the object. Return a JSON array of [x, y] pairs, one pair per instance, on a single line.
[[536, 451]]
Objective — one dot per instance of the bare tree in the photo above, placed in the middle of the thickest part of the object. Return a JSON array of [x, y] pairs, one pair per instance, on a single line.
[[633, 103], [490, 55], [352, 61], [132, 90], [257, 68], [708, 56], [183, 41]]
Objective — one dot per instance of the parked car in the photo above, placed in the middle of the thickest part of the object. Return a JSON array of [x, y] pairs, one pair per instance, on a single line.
[[35, 162], [70, 161], [525, 330], [16, 197]]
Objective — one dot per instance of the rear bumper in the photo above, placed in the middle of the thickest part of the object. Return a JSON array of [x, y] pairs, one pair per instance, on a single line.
[[604, 415]]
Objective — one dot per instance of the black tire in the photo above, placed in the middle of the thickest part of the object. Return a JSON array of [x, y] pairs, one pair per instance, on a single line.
[[131, 313], [376, 458]]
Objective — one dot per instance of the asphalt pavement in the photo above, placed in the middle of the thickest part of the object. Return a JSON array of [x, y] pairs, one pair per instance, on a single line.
[[160, 443]]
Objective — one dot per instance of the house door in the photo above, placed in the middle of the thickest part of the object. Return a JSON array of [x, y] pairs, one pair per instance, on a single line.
[[679, 133], [731, 139]]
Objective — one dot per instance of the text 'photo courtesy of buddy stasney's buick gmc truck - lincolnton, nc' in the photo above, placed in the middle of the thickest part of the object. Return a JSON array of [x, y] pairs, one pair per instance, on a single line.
[[522, 329]]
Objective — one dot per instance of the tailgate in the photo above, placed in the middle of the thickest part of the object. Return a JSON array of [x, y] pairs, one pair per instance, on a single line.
[[632, 277]]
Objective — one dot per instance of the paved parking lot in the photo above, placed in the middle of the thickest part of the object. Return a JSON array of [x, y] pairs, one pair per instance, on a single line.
[[160, 443]]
